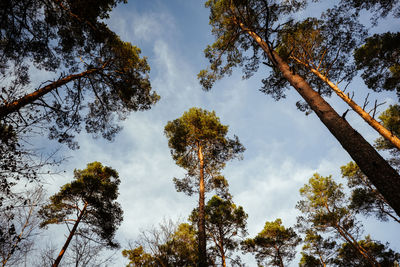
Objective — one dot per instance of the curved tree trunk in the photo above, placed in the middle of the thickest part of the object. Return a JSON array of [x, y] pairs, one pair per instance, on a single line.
[[201, 222], [71, 234], [14, 106], [371, 163]]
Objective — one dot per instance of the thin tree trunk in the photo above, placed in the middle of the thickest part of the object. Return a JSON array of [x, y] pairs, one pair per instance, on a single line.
[[14, 106], [71, 234], [350, 239], [378, 171], [221, 246], [201, 222], [363, 114]]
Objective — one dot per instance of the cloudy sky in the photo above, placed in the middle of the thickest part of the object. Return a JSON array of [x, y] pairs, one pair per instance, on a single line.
[[283, 146]]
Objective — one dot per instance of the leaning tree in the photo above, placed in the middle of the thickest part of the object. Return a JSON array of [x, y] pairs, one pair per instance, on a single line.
[[246, 34], [89, 202]]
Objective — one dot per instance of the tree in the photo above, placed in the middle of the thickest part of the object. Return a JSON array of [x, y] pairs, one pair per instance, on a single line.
[[170, 244], [381, 8], [324, 209], [385, 256], [225, 225], [96, 77], [89, 200], [138, 258], [365, 199], [321, 47], [275, 245], [199, 144], [245, 33], [378, 59], [391, 119], [317, 251]]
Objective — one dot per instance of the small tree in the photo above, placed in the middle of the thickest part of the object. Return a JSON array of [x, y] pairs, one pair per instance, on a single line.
[[365, 199], [89, 200], [275, 245], [199, 144], [167, 245], [325, 209], [317, 251], [225, 226]]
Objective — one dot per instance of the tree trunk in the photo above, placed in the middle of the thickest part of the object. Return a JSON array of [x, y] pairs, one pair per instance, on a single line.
[[371, 163], [71, 234], [14, 106], [221, 247], [350, 239], [363, 114], [201, 222]]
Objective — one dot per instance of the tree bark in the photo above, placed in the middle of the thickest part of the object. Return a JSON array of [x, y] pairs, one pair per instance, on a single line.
[[221, 246], [201, 222], [71, 234], [371, 163], [14, 106], [363, 114]]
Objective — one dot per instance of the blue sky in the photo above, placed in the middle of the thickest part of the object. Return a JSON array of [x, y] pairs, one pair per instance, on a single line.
[[283, 146]]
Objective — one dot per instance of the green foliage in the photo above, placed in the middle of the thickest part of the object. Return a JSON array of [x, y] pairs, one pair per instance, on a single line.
[[348, 257], [324, 205], [365, 198], [309, 261], [160, 247], [317, 251], [181, 249], [378, 59], [95, 188], [275, 245], [325, 210], [225, 226], [200, 128], [378, 7], [233, 49], [390, 119], [62, 38], [323, 44], [138, 258]]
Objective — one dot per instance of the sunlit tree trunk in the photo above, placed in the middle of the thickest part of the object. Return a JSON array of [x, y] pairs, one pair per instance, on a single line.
[[360, 111], [201, 222], [221, 249], [71, 234], [380, 173]]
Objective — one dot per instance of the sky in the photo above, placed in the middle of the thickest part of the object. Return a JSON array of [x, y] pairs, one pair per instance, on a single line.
[[284, 148]]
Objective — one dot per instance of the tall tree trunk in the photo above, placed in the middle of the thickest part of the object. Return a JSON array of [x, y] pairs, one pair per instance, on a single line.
[[71, 234], [360, 111], [201, 222], [221, 246], [371, 163], [14, 106]]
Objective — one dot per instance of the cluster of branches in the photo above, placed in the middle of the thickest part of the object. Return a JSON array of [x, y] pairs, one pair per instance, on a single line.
[[313, 56], [91, 79]]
